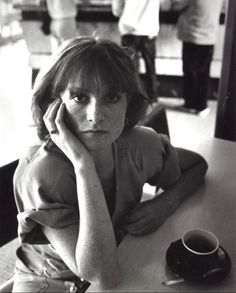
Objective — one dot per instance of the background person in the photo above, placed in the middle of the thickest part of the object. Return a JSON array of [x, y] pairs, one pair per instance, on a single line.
[[139, 26], [79, 192], [197, 26]]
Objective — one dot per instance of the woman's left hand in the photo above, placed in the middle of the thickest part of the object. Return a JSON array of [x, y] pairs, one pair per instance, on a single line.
[[145, 218]]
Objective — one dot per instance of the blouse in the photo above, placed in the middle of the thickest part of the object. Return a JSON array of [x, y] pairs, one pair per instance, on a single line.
[[45, 183]]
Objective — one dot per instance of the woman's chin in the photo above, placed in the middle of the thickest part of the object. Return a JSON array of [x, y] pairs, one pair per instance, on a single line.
[[96, 146]]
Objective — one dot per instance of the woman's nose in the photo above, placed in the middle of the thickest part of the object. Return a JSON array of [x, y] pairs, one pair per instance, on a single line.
[[94, 111]]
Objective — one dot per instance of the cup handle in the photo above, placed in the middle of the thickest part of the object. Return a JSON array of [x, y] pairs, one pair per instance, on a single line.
[[221, 252]]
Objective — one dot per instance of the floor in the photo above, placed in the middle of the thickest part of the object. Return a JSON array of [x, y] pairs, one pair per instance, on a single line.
[[15, 119], [184, 125]]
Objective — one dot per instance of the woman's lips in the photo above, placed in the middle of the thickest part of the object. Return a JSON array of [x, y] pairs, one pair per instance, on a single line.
[[95, 131]]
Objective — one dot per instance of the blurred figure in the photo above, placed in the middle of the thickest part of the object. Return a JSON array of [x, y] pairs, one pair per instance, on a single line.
[[139, 26], [64, 29], [59, 9], [197, 27]]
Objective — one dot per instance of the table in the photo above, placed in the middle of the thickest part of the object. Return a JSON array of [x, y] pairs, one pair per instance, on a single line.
[[212, 207], [8, 259]]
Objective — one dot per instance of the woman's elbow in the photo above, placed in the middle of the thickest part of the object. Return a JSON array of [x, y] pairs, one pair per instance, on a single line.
[[104, 275], [203, 167], [200, 163], [106, 280], [189, 159]]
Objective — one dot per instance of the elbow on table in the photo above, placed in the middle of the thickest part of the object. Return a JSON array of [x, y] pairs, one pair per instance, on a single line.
[[204, 166], [105, 281], [108, 282], [201, 165], [189, 159], [106, 275], [197, 170]]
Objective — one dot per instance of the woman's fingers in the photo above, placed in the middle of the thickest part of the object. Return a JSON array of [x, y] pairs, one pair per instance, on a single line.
[[133, 216], [59, 119], [139, 212], [141, 227], [50, 116], [52, 108], [143, 219]]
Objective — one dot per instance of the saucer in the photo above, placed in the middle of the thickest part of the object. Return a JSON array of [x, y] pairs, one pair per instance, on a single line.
[[178, 263]]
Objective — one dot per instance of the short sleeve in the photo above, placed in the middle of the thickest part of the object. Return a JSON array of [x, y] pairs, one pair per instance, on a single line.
[[170, 169], [45, 198], [57, 215]]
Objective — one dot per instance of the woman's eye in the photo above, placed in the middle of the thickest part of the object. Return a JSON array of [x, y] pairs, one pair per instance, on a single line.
[[113, 98], [81, 98]]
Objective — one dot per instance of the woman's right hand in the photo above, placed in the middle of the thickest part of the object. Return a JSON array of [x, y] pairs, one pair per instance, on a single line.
[[62, 136]]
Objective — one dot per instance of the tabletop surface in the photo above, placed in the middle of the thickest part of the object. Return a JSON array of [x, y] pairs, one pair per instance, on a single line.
[[212, 207], [8, 259]]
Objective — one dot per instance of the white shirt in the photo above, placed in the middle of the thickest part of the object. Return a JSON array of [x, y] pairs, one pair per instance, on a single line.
[[199, 22], [137, 17]]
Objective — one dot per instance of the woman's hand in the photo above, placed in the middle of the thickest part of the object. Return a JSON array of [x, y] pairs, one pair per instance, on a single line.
[[145, 218], [61, 135]]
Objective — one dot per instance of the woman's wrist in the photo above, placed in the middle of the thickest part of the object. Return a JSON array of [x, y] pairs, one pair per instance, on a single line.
[[83, 165]]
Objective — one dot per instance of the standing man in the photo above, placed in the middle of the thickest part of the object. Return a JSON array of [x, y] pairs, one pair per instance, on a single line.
[[197, 26], [139, 26]]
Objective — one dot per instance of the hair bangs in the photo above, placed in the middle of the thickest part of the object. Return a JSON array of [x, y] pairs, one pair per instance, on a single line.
[[96, 67], [96, 73]]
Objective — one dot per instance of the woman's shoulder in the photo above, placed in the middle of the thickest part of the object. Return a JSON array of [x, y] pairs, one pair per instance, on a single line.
[[43, 165], [141, 136], [152, 153]]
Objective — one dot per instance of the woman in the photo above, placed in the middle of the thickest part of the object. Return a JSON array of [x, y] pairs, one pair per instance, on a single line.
[[79, 192]]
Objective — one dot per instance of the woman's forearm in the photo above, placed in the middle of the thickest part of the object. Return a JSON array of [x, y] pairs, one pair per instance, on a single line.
[[193, 169], [96, 251]]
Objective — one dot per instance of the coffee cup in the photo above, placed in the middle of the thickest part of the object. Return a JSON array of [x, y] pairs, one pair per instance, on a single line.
[[201, 249]]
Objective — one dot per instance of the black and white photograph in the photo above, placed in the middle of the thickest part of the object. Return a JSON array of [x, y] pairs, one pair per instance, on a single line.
[[118, 146]]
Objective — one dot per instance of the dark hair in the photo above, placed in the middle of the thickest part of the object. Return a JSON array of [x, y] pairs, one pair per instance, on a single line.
[[93, 60]]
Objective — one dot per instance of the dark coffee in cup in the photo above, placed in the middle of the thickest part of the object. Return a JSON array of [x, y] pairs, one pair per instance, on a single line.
[[201, 249], [199, 244]]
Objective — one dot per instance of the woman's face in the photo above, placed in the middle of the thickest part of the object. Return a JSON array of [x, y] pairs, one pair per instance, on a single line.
[[96, 116]]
